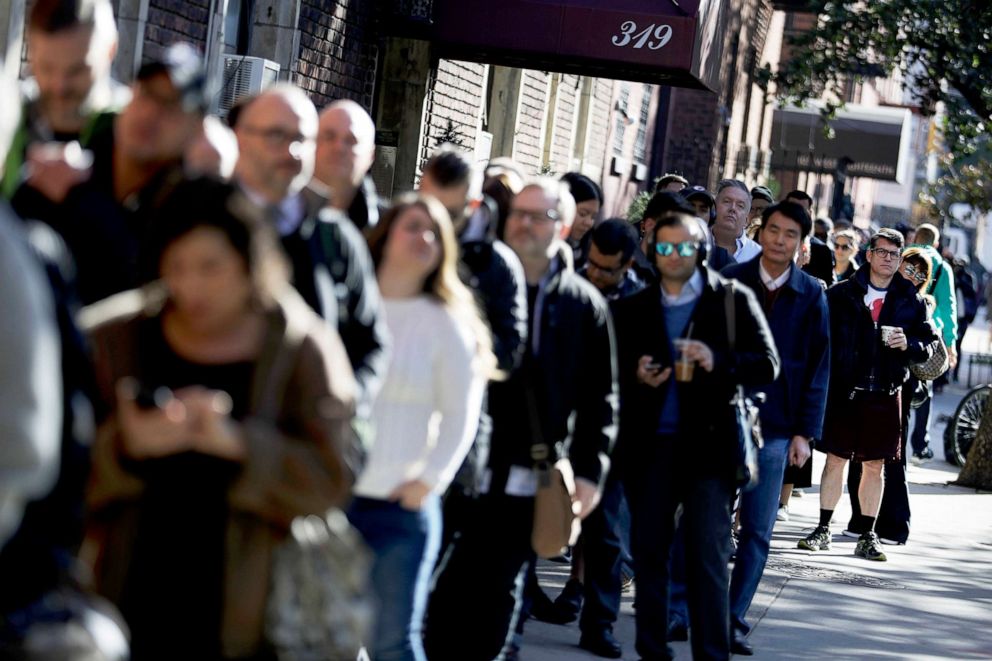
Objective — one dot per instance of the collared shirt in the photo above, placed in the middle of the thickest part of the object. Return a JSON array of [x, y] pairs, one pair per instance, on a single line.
[[747, 249], [691, 290], [288, 213], [771, 284]]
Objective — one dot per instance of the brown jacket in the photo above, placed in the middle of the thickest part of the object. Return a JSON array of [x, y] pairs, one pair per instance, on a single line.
[[302, 451]]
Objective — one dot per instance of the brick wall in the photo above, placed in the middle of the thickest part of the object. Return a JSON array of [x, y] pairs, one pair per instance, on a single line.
[[337, 57], [454, 105], [693, 130], [170, 21], [528, 146]]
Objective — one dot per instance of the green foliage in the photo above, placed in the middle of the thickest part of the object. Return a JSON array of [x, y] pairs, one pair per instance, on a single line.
[[636, 209], [943, 51]]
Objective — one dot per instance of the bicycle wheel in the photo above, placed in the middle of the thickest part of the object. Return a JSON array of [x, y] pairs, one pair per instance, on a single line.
[[963, 427]]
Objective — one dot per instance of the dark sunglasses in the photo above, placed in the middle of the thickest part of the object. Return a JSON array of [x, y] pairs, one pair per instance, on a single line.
[[685, 248], [914, 273]]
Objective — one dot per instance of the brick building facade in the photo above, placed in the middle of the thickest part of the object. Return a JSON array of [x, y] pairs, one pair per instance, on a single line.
[[622, 134]]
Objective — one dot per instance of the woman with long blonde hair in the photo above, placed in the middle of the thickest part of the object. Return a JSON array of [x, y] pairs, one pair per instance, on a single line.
[[425, 415]]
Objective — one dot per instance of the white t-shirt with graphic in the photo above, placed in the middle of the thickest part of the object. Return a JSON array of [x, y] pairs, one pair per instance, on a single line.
[[874, 300]]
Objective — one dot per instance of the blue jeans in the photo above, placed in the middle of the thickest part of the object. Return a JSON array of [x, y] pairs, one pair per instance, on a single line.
[[405, 545], [758, 509]]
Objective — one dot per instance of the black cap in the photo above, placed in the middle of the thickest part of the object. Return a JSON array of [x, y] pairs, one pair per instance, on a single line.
[[763, 193], [184, 67], [692, 192]]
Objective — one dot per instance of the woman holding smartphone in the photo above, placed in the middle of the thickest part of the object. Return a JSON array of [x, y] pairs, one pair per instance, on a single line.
[[229, 414]]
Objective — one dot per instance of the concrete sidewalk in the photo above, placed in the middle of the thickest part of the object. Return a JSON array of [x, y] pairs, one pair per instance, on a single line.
[[931, 600]]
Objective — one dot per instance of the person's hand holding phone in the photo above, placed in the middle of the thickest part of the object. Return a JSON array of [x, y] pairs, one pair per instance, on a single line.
[[212, 431], [151, 429], [54, 168], [650, 373]]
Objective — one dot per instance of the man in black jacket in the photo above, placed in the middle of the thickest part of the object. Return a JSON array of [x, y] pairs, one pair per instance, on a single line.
[[568, 381], [878, 327], [332, 268], [493, 272], [678, 437], [820, 262]]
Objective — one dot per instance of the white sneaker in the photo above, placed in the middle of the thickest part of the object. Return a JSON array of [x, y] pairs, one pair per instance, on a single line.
[[783, 513]]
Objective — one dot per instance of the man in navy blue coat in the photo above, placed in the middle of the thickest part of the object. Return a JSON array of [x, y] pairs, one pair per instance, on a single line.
[[792, 415]]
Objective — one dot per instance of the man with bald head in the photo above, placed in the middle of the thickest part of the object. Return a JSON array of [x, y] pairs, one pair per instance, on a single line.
[[345, 151], [332, 269]]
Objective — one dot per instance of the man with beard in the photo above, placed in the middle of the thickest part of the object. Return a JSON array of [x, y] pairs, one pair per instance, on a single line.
[[69, 98]]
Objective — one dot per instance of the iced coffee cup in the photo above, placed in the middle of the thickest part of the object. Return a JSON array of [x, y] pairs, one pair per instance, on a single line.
[[684, 367]]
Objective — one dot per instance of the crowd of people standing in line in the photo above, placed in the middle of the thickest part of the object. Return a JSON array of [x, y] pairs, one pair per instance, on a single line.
[[212, 330]]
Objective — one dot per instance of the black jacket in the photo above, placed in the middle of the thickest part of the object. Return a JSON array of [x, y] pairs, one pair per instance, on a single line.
[[857, 354], [800, 324], [41, 555], [105, 237], [367, 206], [333, 271], [821, 261], [494, 274], [570, 365], [707, 424]]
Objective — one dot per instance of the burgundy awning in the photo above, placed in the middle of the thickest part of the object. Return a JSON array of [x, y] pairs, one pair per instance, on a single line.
[[656, 41]]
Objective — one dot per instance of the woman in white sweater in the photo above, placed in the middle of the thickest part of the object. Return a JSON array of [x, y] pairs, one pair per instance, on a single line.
[[425, 415]]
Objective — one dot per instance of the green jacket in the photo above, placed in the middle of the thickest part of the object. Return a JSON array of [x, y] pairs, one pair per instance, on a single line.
[[942, 289]]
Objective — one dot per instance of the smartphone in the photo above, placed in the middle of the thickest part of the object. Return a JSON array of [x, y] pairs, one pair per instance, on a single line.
[[148, 397], [653, 367]]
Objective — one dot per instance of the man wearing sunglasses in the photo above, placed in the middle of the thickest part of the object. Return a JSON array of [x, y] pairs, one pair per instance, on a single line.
[[878, 328], [677, 440]]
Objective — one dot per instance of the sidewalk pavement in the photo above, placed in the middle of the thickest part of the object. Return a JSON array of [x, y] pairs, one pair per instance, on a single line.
[[932, 599]]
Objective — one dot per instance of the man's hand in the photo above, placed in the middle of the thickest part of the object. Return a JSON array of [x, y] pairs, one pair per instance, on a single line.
[[54, 169], [411, 495], [586, 497], [699, 352], [651, 374], [952, 355], [151, 433], [799, 452], [897, 340]]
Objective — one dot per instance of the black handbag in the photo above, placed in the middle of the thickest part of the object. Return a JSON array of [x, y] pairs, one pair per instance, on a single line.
[[745, 411]]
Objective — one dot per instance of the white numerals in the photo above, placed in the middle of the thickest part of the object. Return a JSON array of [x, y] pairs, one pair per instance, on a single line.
[[653, 36]]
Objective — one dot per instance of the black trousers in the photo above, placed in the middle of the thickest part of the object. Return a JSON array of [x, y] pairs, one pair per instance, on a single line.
[[893, 517], [655, 484], [476, 590], [603, 557]]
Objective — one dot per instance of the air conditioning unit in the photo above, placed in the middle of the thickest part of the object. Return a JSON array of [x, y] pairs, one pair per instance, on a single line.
[[243, 76]]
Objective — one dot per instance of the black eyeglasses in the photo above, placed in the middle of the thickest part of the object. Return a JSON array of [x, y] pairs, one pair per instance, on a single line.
[[274, 137], [887, 254], [843, 246]]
